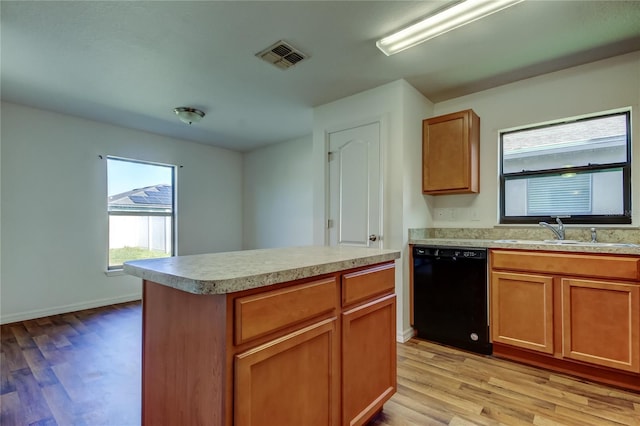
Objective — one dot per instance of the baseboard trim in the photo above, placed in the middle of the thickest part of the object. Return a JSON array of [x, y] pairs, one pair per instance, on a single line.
[[39, 313], [404, 336]]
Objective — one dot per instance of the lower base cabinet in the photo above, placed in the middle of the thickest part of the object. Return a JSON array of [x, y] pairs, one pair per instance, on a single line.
[[601, 323], [575, 313], [317, 352], [293, 380], [522, 310], [368, 333]]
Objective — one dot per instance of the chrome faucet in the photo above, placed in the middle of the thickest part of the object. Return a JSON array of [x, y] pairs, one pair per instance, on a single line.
[[557, 231]]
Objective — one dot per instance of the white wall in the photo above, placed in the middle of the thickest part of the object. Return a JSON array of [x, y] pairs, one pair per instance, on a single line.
[[278, 199], [594, 87], [400, 109], [599, 86], [415, 205], [53, 200], [53, 257]]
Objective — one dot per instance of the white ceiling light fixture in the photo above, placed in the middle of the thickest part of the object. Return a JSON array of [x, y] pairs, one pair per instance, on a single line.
[[461, 13], [188, 115]]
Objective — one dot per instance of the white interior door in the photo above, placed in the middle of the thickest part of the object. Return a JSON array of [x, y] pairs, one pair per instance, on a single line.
[[355, 187]]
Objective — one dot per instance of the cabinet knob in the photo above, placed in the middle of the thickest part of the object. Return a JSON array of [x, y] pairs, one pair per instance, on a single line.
[[373, 237]]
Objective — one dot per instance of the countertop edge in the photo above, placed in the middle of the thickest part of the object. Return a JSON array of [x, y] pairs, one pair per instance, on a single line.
[[251, 281]]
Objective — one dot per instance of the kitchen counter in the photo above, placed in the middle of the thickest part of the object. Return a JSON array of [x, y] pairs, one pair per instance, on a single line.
[[579, 247], [569, 306], [227, 338], [221, 273]]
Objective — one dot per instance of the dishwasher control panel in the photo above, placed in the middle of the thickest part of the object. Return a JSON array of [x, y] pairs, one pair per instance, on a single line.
[[472, 253]]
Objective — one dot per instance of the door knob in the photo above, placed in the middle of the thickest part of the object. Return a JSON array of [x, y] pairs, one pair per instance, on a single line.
[[373, 237]]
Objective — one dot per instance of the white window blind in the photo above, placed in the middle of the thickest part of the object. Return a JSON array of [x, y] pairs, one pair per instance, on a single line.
[[559, 195]]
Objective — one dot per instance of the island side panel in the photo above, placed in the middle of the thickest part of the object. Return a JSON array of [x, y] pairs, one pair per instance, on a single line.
[[183, 357]]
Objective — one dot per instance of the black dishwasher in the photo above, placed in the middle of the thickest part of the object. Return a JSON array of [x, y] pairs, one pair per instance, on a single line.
[[450, 296]]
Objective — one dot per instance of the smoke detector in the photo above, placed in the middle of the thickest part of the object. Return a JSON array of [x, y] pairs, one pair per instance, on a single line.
[[282, 55]]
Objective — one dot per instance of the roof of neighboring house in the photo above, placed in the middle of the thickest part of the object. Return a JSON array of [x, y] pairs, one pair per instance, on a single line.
[[156, 197], [592, 131]]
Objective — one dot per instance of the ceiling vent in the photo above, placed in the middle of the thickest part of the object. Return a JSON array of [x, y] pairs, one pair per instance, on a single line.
[[282, 55]]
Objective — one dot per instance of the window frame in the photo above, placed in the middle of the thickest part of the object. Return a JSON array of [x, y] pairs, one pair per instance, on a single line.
[[172, 213], [625, 167]]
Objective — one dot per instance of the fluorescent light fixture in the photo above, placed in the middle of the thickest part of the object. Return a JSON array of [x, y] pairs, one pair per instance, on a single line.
[[448, 19]]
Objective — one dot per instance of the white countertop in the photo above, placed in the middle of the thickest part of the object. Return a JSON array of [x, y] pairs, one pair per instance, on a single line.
[[220, 273], [578, 247]]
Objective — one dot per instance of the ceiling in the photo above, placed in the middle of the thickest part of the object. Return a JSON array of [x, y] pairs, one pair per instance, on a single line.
[[130, 63]]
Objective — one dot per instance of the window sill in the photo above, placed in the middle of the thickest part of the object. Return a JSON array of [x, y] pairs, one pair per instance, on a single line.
[[114, 272]]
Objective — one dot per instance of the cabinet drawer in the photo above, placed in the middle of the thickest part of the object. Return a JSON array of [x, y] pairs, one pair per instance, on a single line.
[[362, 285], [583, 265], [265, 313]]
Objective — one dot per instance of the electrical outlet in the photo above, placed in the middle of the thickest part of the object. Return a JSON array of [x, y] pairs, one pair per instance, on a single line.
[[475, 214]]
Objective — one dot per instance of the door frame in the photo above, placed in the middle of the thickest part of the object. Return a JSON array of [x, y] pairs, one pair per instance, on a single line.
[[382, 121]]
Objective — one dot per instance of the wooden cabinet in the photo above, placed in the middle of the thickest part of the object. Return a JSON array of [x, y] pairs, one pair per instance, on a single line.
[[318, 351], [601, 323], [290, 379], [451, 154], [522, 310], [368, 333], [576, 313], [293, 380]]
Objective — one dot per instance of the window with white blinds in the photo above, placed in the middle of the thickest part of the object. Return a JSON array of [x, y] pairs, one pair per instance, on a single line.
[[579, 169], [568, 194]]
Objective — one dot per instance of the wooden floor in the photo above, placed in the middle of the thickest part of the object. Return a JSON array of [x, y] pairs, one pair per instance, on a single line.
[[74, 369], [84, 369], [438, 385]]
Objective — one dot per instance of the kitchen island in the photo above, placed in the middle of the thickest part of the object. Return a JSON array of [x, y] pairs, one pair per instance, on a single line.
[[291, 336]]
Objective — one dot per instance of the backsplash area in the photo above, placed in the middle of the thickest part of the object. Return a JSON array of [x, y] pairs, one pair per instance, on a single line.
[[605, 235]]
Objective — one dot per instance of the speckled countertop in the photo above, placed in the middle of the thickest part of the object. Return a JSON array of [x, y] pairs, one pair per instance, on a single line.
[[221, 273], [577, 247], [611, 240]]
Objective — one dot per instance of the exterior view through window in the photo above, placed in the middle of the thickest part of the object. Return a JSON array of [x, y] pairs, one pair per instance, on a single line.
[[577, 169], [141, 208]]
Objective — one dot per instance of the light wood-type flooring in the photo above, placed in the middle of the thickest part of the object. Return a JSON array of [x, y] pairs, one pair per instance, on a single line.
[[84, 369]]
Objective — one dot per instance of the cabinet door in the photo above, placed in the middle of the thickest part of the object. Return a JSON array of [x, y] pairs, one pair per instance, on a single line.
[[368, 359], [450, 145], [522, 310], [601, 322], [291, 381]]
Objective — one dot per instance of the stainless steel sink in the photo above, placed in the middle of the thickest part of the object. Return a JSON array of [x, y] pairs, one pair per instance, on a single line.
[[562, 242], [613, 244], [519, 241]]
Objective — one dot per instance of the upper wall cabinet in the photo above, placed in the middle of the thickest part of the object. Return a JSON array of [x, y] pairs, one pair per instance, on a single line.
[[451, 153]]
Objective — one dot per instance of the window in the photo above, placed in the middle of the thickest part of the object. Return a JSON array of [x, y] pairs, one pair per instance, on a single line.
[[577, 169], [141, 209]]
